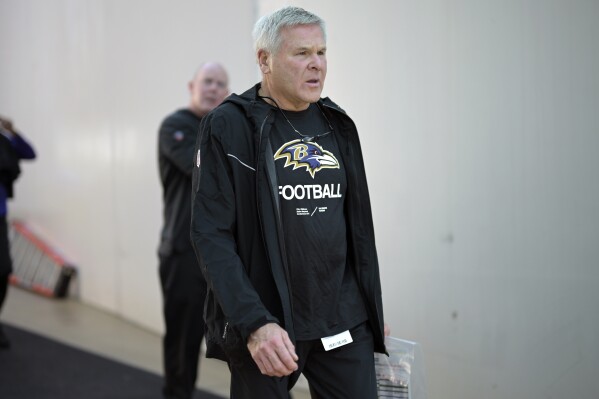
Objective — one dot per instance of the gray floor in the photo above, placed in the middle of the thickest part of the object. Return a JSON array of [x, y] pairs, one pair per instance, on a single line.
[[82, 326]]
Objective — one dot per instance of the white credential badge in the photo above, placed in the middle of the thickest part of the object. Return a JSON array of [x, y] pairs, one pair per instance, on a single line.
[[335, 341], [198, 159]]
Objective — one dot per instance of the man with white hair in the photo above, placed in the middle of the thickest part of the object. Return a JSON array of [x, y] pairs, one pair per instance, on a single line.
[[283, 230]]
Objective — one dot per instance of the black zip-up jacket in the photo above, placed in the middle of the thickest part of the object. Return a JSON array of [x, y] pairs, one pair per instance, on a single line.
[[176, 139], [236, 227]]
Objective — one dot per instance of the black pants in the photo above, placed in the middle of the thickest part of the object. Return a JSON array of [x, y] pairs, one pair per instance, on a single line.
[[184, 291], [346, 372], [5, 261], [3, 289]]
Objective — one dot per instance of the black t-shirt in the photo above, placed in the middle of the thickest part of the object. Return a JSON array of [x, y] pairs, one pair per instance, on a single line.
[[312, 188]]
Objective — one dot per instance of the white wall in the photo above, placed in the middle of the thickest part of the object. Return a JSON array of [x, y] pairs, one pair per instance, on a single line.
[[480, 129], [89, 83]]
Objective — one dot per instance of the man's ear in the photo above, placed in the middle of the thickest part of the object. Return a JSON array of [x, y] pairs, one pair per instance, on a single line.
[[263, 61]]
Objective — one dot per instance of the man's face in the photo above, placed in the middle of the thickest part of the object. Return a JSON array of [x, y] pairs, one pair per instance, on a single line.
[[295, 74], [208, 89]]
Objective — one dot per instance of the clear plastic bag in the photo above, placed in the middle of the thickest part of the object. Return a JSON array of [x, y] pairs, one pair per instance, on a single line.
[[401, 374]]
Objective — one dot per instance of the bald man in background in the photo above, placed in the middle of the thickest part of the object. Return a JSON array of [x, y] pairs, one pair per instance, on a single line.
[[183, 286]]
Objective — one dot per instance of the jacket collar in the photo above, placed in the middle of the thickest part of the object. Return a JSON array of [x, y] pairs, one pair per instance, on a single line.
[[257, 108]]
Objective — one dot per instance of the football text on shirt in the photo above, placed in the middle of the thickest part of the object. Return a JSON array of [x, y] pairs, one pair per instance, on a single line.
[[310, 191]]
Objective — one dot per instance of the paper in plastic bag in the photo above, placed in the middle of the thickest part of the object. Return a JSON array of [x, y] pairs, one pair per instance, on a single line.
[[401, 374]]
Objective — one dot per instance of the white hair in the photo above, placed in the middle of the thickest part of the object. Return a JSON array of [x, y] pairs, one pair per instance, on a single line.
[[267, 29]]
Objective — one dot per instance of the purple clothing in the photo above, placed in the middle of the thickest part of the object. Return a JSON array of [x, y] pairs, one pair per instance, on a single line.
[[23, 150], [2, 200]]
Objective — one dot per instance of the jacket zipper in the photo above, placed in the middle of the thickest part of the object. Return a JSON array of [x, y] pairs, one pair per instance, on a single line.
[[277, 213], [226, 329]]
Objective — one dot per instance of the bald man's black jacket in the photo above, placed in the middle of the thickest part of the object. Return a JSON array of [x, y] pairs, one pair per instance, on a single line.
[[176, 141]]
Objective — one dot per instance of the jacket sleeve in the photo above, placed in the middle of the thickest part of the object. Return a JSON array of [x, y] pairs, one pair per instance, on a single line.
[[213, 228], [176, 143], [22, 147]]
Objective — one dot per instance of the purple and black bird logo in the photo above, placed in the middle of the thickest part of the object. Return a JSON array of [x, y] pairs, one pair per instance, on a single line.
[[309, 155]]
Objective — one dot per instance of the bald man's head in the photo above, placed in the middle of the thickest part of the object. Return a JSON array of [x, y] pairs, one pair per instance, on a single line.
[[208, 88]]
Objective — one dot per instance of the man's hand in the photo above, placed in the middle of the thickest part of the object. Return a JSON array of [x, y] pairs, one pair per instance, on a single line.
[[387, 331], [272, 350], [6, 125]]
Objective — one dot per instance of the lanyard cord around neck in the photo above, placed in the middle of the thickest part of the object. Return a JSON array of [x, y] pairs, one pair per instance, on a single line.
[[305, 138]]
